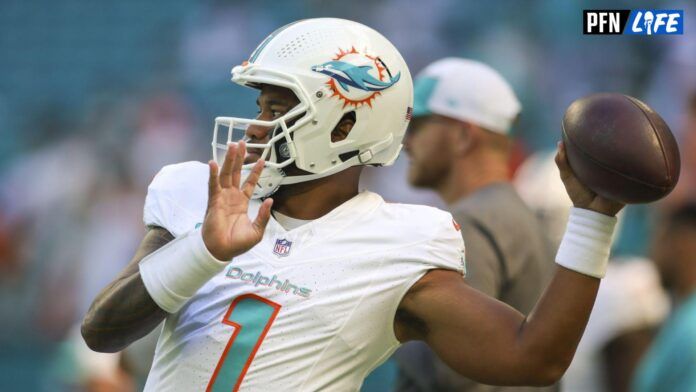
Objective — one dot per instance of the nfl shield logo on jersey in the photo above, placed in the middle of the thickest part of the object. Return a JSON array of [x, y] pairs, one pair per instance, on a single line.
[[282, 247]]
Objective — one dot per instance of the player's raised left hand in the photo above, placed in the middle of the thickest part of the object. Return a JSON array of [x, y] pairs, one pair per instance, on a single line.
[[227, 230]]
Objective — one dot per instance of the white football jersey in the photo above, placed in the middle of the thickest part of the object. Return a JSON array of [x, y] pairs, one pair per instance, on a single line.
[[310, 309]]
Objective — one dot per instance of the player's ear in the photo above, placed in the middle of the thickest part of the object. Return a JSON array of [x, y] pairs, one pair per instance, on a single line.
[[343, 128], [465, 138]]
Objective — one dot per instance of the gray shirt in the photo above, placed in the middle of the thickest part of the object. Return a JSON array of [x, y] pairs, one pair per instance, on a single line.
[[507, 257]]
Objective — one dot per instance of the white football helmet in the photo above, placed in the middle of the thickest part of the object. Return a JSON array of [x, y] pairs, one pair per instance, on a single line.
[[334, 67]]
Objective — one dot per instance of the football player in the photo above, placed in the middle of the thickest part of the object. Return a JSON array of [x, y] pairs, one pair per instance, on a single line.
[[314, 288]]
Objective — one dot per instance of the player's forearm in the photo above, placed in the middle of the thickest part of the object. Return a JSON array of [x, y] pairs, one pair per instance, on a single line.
[[545, 341], [553, 330], [123, 313], [551, 333]]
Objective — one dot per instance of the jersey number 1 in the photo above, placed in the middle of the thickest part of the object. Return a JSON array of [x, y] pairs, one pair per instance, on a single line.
[[251, 316]]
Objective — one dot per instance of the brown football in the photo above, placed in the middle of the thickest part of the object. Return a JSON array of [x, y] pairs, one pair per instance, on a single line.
[[620, 148]]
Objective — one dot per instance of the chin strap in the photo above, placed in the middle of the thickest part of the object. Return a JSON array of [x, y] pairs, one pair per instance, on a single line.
[[362, 158]]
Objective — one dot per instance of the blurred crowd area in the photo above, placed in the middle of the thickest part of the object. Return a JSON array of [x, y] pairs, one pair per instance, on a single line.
[[95, 97]]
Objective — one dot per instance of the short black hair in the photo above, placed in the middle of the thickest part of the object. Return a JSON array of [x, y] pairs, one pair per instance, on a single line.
[[682, 217]]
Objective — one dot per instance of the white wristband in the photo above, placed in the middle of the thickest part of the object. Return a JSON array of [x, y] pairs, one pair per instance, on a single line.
[[586, 243], [174, 273]]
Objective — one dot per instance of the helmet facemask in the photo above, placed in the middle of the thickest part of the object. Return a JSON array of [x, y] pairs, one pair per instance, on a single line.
[[279, 150]]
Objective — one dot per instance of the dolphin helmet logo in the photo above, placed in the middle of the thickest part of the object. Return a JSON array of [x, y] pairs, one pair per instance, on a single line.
[[356, 78], [348, 75]]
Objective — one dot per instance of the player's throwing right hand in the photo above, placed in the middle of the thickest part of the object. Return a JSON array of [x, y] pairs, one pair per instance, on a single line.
[[227, 230], [580, 194]]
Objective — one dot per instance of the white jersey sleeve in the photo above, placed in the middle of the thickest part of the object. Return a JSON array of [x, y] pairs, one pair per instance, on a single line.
[[436, 235], [177, 197], [446, 249]]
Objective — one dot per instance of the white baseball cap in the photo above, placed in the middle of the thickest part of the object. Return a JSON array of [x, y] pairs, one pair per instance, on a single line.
[[466, 90]]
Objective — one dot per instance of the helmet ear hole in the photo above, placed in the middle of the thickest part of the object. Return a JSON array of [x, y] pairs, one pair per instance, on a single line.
[[343, 128]]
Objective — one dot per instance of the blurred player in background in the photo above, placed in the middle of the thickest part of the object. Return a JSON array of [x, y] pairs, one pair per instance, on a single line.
[[314, 288], [670, 364], [459, 145], [685, 191]]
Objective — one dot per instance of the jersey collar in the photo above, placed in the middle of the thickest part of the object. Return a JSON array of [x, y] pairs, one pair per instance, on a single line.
[[318, 230]]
